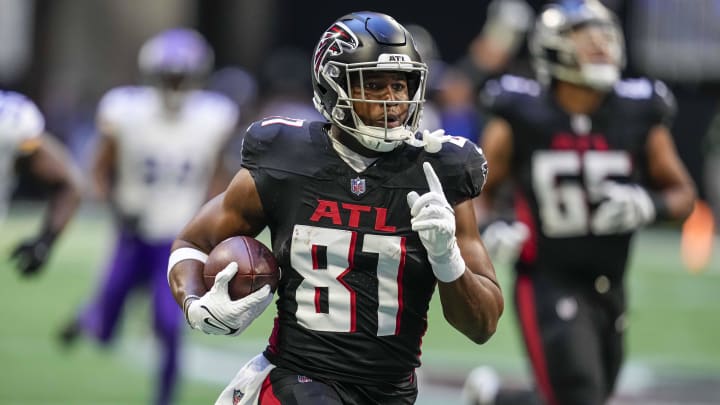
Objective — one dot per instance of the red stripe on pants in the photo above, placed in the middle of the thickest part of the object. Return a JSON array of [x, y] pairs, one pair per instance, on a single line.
[[267, 396], [533, 340]]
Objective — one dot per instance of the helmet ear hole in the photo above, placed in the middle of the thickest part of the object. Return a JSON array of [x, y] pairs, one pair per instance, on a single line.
[[332, 71], [338, 114]]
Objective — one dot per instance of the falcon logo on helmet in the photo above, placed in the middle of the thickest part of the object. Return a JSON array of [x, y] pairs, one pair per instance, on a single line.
[[332, 42]]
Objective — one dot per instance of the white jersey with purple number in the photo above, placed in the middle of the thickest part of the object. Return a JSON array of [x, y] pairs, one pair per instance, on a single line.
[[20, 123], [164, 162]]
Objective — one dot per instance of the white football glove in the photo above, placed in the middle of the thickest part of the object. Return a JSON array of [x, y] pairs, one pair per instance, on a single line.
[[627, 208], [434, 220], [431, 141], [504, 241], [216, 314]]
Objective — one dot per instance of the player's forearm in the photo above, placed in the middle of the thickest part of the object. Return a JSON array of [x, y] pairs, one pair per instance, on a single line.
[[185, 276], [197, 239], [674, 194], [61, 208], [104, 166], [472, 304], [51, 165], [677, 202]]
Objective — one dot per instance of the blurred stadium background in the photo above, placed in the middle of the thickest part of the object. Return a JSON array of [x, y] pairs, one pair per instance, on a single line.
[[65, 54]]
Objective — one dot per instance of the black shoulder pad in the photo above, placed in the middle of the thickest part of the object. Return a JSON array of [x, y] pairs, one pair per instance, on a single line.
[[652, 98], [507, 94], [664, 106], [271, 142], [461, 167]]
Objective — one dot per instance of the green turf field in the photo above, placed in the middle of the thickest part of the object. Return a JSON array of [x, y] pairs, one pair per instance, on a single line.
[[674, 328]]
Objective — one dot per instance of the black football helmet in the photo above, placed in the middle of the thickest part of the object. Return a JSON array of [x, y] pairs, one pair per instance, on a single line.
[[353, 45], [555, 54]]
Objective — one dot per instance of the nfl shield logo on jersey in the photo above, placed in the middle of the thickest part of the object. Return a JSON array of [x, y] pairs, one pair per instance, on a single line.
[[237, 396], [357, 186]]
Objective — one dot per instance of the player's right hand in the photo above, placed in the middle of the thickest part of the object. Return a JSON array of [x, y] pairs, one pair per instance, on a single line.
[[216, 314], [504, 240], [433, 219]]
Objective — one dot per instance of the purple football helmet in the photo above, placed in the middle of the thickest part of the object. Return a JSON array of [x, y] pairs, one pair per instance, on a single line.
[[176, 56]]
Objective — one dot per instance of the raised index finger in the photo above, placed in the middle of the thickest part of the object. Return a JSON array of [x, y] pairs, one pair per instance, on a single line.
[[432, 178]]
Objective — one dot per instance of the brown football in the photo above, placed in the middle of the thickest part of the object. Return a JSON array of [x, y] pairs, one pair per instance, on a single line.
[[256, 265]]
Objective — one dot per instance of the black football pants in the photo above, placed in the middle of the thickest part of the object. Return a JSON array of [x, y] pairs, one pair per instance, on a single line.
[[573, 336]]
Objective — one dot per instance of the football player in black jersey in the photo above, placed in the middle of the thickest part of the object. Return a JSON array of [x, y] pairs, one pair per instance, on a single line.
[[592, 161], [366, 217]]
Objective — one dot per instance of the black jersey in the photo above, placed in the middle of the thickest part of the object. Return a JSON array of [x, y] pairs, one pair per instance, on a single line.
[[356, 283], [560, 162]]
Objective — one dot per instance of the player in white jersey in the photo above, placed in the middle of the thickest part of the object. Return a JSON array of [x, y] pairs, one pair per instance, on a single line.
[[159, 151], [160, 157], [23, 143]]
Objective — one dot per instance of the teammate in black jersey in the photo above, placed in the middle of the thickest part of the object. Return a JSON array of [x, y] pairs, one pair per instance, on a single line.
[[592, 161], [366, 218]]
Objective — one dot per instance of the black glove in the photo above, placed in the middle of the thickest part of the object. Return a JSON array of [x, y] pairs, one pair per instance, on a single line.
[[32, 254]]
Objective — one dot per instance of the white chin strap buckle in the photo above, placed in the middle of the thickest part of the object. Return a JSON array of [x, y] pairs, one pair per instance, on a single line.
[[431, 141]]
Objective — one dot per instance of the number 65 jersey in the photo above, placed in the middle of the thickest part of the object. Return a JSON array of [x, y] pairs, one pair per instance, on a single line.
[[356, 283], [561, 162]]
